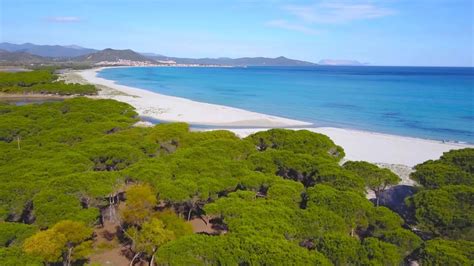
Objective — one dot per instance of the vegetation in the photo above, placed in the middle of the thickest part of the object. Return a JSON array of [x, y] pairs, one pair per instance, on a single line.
[[376, 179], [443, 208], [275, 197], [150, 237], [453, 168], [42, 82], [445, 252], [66, 241]]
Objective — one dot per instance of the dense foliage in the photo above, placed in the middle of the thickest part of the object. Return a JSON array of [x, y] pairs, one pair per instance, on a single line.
[[42, 82], [444, 208], [66, 241], [376, 179], [277, 197]]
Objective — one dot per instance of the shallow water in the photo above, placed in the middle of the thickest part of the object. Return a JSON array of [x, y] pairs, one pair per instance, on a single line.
[[435, 103]]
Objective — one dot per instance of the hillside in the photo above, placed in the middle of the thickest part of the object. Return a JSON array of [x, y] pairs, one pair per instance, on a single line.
[[111, 55], [47, 50], [244, 61], [7, 57]]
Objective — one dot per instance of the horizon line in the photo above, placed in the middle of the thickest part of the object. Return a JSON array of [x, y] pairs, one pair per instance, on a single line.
[[218, 57]]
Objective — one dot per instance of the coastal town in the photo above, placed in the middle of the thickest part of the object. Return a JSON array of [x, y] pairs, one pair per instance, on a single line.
[[168, 63]]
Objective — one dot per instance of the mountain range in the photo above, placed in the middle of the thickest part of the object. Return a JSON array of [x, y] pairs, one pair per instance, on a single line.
[[32, 53], [47, 50], [23, 57], [243, 61]]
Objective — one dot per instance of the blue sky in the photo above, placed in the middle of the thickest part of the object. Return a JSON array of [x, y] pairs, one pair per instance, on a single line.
[[384, 32]]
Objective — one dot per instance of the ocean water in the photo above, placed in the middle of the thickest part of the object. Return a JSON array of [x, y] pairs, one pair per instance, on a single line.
[[426, 102]]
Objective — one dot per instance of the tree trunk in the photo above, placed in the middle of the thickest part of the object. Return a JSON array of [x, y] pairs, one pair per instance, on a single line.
[[152, 261], [352, 231], [67, 257], [110, 207], [18, 141], [112, 213], [134, 257], [377, 192], [189, 213]]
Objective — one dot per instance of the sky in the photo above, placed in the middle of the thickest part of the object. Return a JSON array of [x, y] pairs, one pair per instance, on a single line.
[[383, 32]]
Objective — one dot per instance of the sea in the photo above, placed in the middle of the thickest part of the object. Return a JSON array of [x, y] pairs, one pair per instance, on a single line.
[[425, 102]]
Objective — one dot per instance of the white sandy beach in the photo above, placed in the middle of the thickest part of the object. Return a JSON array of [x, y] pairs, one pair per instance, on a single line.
[[358, 145], [175, 109]]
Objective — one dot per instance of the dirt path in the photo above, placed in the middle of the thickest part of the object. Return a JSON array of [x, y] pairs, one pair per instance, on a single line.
[[107, 247], [203, 225], [110, 257]]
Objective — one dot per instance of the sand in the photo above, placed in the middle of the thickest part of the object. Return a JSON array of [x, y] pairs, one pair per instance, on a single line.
[[174, 109], [358, 145]]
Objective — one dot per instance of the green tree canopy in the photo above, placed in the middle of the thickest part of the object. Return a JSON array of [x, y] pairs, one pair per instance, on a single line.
[[47, 245], [341, 249], [455, 167], [41, 81], [445, 252], [66, 241], [150, 237], [351, 206], [376, 179], [446, 212], [297, 141], [139, 204]]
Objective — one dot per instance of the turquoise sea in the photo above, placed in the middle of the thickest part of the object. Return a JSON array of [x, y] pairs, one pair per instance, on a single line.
[[427, 102]]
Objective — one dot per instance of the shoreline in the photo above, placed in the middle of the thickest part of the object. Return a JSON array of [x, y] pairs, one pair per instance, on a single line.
[[369, 146], [176, 109]]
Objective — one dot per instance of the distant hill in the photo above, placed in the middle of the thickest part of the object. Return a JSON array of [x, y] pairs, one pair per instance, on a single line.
[[244, 61], [20, 57], [47, 50], [78, 54], [113, 55], [335, 62]]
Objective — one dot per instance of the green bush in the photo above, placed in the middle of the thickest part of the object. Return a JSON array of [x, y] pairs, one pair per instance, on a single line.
[[41, 81]]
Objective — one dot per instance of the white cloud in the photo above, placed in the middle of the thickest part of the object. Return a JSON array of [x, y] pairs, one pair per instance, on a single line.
[[283, 24], [338, 12], [65, 19]]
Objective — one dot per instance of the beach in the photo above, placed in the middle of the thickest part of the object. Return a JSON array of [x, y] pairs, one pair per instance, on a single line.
[[358, 145], [175, 109]]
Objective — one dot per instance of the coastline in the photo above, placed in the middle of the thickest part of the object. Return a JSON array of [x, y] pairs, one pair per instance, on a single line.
[[175, 109], [359, 145]]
